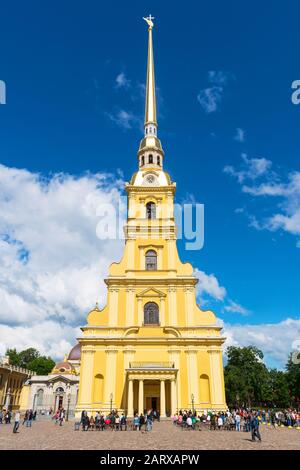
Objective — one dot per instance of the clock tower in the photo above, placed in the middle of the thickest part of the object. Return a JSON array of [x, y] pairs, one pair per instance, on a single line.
[[151, 346]]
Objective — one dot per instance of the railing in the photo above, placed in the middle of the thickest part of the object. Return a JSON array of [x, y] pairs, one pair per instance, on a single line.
[[17, 369], [151, 365]]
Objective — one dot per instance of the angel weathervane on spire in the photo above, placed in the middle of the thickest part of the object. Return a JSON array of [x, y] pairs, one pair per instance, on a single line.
[[149, 21]]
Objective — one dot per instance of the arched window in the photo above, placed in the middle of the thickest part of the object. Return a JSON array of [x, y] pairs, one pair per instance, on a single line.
[[151, 314], [151, 260], [204, 389], [143, 160], [150, 159], [150, 210], [59, 390], [158, 160], [98, 388]]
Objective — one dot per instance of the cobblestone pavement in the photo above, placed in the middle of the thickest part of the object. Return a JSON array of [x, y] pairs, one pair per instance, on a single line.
[[46, 435]]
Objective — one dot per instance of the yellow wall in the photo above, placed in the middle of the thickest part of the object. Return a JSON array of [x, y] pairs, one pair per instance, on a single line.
[[115, 336]]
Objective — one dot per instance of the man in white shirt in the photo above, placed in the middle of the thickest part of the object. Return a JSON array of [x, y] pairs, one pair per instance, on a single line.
[[17, 421]]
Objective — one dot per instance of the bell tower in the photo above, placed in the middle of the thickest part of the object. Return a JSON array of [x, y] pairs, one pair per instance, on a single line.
[[151, 346]]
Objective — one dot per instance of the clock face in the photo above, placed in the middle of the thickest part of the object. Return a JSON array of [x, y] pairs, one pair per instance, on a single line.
[[150, 180]]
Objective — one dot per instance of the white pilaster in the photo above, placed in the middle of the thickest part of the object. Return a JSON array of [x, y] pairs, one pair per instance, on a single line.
[[141, 396], [113, 305], [162, 398]]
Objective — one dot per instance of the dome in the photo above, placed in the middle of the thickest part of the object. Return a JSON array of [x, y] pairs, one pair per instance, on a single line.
[[75, 353], [63, 368]]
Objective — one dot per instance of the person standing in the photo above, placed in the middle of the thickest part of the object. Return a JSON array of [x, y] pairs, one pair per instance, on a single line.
[[29, 419], [17, 421], [237, 422], [61, 416], [255, 428], [149, 421]]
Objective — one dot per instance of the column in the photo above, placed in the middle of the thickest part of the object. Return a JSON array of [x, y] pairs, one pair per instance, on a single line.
[[160, 258], [162, 399], [216, 377], [113, 306], [140, 311], [189, 305], [192, 369], [172, 306], [130, 254], [130, 399], [129, 306], [162, 311], [175, 352], [110, 375], [141, 396], [87, 375], [173, 397], [171, 254]]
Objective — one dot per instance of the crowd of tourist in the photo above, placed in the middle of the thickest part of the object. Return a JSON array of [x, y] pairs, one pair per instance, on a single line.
[[237, 419], [6, 417], [118, 422], [241, 419]]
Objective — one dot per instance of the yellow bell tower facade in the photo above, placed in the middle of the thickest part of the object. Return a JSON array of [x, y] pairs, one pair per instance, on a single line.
[[151, 346]]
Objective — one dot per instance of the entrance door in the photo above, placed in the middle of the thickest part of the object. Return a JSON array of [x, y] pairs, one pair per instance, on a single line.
[[60, 401], [154, 403]]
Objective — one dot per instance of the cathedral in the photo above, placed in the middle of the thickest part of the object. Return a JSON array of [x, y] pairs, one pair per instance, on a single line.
[[151, 346]]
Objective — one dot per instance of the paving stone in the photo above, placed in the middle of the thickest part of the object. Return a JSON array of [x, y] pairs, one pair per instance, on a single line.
[[46, 434]]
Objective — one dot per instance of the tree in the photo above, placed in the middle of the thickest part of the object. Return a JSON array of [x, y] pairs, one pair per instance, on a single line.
[[246, 377], [293, 377], [27, 356], [41, 365], [13, 357], [31, 359], [278, 383]]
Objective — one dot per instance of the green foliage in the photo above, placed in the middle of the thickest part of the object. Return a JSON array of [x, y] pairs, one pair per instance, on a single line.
[[293, 377], [41, 365], [27, 356], [13, 357], [248, 381], [246, 376], [31, 359]]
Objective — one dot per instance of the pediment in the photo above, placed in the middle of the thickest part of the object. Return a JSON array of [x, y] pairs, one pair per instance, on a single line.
[[61, 378], [151, 292]]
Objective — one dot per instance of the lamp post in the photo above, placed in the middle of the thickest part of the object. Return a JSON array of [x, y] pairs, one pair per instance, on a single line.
[[193, 400], [111, 401], [68, 407], [68, 401]]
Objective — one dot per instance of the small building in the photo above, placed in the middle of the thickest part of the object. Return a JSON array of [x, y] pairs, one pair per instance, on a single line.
[[59, 389], [12, 379]]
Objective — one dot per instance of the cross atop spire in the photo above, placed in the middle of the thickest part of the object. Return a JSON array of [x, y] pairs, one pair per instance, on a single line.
[[149, 19]]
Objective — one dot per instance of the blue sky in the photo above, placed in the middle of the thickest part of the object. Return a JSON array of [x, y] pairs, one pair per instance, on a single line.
[[75, 73]]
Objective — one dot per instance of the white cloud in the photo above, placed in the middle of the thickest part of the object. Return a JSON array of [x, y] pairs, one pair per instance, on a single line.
[[209, 284], [219, 77], [125, 119], [234, 307], [51, 261], [122, 81], [274, 339], [286, 213], [209, 98], [239, 135], [251, 168]]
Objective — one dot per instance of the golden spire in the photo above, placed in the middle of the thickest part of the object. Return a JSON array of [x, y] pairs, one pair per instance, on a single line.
[[150, 108], [150, 152]]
